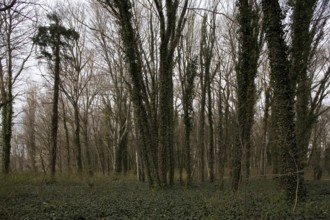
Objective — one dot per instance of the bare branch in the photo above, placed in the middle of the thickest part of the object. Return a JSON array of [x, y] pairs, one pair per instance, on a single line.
[[208, 10], [6, 7]]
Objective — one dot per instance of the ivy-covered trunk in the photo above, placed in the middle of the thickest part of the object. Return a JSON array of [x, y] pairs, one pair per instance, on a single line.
[[77, 137], [246, 91], [121, 152], [283, 104], [171, 25], [166, 117], [300, 59], [203, 57], [221, 137], [187, 84], [122, 9], [7, 115], [7, 98]]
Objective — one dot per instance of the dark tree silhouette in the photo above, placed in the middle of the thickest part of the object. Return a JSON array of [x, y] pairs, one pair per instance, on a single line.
[[246, 91], [56, 38]]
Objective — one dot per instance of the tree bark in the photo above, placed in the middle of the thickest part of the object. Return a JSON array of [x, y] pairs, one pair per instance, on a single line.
[[283, 105], [170, 31], [77, 137], [221, 138], [67, 138], [187, 84], [246, 97], [54, 118], [300, 60]]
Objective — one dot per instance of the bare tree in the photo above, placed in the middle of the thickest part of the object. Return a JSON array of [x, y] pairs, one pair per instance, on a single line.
[[123, 13], [170, 30], [171, 26], [29, 123], [74, 78], [15, 51], [116, 96]]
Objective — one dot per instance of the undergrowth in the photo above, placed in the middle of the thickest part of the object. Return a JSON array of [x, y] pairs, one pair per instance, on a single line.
[[26, 197]]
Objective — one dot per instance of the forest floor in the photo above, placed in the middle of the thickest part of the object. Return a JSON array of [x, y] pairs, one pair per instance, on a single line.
[[23, 197]]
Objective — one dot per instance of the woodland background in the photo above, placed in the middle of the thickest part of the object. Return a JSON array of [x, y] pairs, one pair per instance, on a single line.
[[167, 91]]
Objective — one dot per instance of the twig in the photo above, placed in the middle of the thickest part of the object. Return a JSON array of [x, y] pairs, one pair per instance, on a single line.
[[208, 10]]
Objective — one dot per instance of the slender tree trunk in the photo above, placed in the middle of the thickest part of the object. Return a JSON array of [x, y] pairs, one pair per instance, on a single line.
[[121, 153], [54, 118], [187, 84], [210, 120], [7, 111], [32, 138], [87, 145], [165, 106], [201, 135], [77, 137], [263, 153], [201, 130], [187, 153], [221, 138], [67, 138], [208, 52], [29, 122]]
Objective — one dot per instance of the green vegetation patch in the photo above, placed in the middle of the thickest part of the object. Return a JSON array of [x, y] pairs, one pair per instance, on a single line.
[[127, 199]]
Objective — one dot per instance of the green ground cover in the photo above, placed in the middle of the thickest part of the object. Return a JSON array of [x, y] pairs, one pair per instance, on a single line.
[[109, 198]]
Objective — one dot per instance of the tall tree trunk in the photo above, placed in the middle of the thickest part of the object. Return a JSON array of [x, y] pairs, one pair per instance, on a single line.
[[201, 124], [54, 118], [221, 138], [7, 111], [51, 38], [300, 59], [67, 137], [210, 121], [77, 137], [246, 72], [187, 84], [165, 108], [7, 114], [283, 105], [263, 152], [30, 129], [170, 33], [138, 91], [87, 145], [121, 153], [208, 55], [201, 131]]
